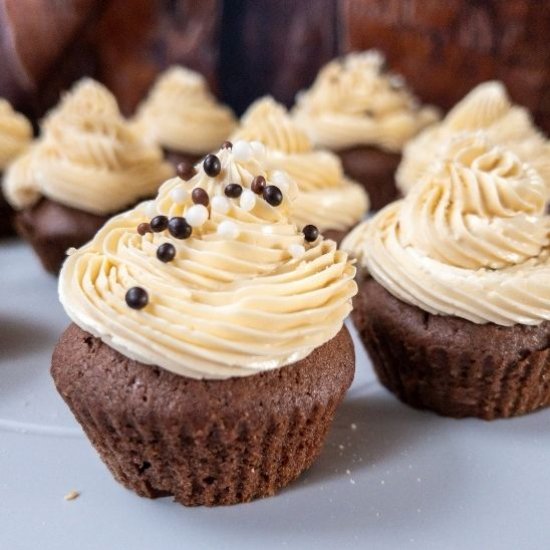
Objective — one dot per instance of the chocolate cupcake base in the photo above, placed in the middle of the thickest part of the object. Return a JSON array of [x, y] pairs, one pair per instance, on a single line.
[[375, 170], [51, 228], [6, 218], [450, 365], [205, 442]]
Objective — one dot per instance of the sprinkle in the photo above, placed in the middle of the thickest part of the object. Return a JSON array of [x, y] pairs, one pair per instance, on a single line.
[[212, 165], [71, 251], [220, 204], [272, 194], [185, 170], [311, 233], [166, 252], [144, 228], [179, 228], [159, 223], [296, 250], [258, 149], [258, 185], [71, 495], [137, 297], [151, 209], [248, 200], [280, 179], [200, 196], [242, 151], [196, 215], [227, 145], [228, 229], [353, 426], [233, 190], [179, 195]]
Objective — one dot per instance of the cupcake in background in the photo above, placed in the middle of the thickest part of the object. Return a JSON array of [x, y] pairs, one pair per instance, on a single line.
[[454, 294], [366, 115], [182, 116], [15, 137], [208, 352], [489, 109], [86, 165], [327, 199]]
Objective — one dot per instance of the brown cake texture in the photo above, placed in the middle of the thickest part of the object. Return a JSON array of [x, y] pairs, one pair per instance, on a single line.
[[176, 157], [51, 228], [204, 442], [375, 170], [450, 365]]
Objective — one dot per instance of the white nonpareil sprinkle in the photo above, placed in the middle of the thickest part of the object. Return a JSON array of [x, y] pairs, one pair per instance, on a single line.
[[179, 195], [248, 200], [280, 179], [151, 209], [242, 151], [296, 250], [258, 149], [228, 229], [220, 204], [196, 215]]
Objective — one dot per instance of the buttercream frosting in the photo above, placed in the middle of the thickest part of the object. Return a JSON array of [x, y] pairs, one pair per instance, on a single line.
[[327, 198], [15, 133], [489, 109], [355, 102], [87, 157], [244, 294], [471, 239], [181, 114]]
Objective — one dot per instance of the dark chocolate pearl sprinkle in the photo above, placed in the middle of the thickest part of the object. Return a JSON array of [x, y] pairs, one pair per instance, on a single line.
[[159, 223], [137, 297], [144, 228], [258, 185], [212, 165], [311, 233], [166, 252], [200, 196], [273, 195], [179, 228], [185, 170], [227, 145], [233, 190]]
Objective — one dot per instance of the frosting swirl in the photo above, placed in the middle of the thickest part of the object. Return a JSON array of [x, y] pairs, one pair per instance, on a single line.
[[87, 157], [472, 239], [245, 293], [327, 198], [489, 109], [355, 102], [181, 114], [15, 133]]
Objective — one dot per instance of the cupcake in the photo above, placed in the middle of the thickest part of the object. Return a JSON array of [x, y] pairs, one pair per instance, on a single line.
[[15, 136], [489, 109], [366, 115], [183, 117], [454, 297], [327, 199], [86, 166], [207, 353]]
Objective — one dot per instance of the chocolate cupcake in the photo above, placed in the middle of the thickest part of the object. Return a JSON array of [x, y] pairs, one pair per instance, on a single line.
[[489, 109], [15, 137], [208, 352], [327, 199], [366, 115], [183, 117], [454, 300], [87, 165]]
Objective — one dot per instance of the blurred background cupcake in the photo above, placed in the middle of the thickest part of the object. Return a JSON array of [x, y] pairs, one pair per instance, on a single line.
[[86, 165]]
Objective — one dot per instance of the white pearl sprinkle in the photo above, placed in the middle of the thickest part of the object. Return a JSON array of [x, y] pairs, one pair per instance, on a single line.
[[280, 179], [220, 204], [258, 149], [228, 229], [248, 200], [196, 215], [242, 151], [151, 209], [296, 250], [179, 195]]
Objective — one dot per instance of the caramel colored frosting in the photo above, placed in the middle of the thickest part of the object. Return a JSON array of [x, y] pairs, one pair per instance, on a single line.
[[182, 115], [87, 157], [471, 239], [355, 102], [327, 198], [15, 133], [244, 293], [486, 108]]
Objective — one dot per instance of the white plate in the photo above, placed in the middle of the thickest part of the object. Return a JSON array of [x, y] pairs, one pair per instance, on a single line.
[[400, 479]]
